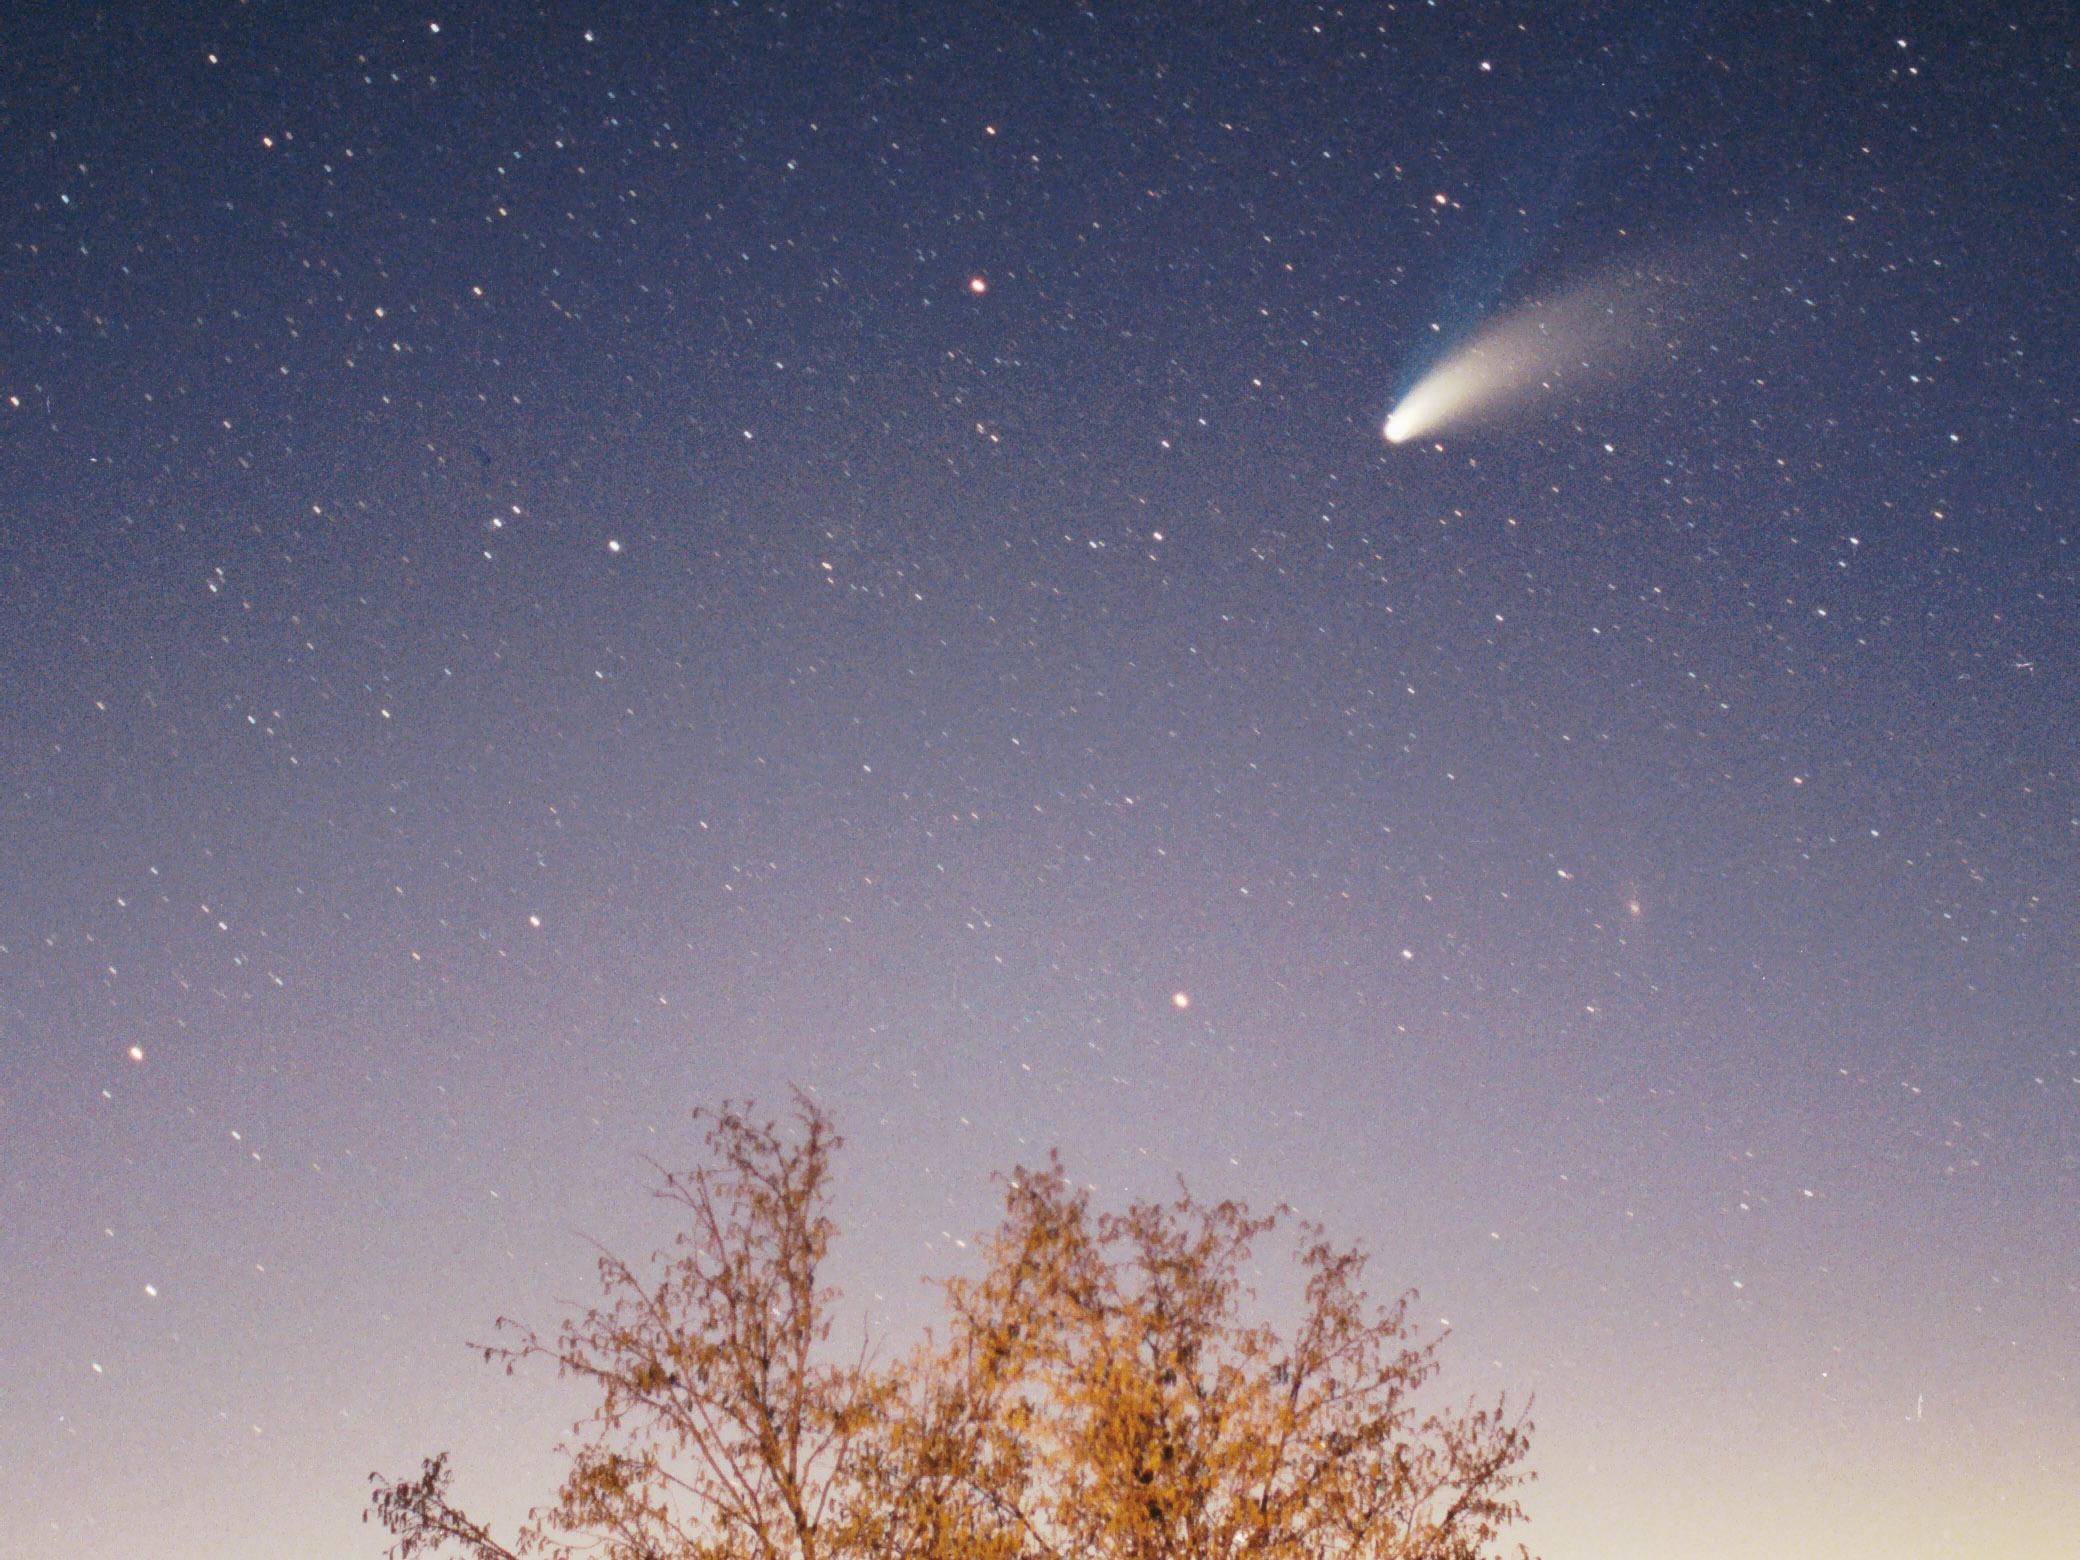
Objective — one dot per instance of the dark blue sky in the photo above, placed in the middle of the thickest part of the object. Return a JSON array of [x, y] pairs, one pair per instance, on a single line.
[[560, 567]]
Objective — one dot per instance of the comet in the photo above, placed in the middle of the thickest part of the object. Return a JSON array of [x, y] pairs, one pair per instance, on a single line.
[[1536, 350]]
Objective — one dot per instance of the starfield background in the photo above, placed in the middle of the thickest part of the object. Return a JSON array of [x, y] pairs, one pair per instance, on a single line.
[[560, 565]]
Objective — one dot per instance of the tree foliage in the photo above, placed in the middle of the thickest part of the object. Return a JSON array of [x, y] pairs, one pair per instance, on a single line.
[[1099, 1390]]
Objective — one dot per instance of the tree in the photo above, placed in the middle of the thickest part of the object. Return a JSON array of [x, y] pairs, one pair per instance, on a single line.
[[723, 1430], [1096, 1392]]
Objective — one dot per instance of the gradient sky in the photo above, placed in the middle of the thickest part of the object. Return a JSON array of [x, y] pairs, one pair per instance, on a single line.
[[560, 566]]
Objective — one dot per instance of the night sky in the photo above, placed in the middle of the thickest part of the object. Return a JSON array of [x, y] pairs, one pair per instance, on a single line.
[[561, 566]]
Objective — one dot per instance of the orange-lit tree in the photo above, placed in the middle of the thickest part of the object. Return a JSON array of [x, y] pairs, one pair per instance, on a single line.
[[1096, 1392]]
